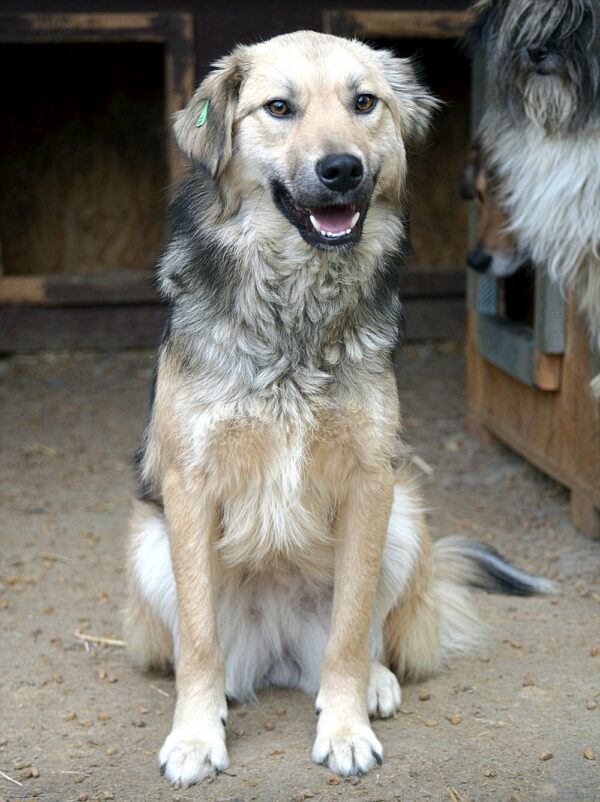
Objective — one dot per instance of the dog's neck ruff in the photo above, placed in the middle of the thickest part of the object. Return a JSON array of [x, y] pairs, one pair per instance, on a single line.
[[262, 312]]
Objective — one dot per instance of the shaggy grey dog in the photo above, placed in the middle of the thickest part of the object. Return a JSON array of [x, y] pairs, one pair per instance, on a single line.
[[541, 133]]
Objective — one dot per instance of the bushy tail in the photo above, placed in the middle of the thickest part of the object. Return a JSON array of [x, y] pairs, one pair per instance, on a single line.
[[477, 565], [438, 618]]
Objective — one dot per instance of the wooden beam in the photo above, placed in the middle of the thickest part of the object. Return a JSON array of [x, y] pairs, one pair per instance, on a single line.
[[397, 24], [25, 328], [60, 289], [136, 286], [547, 370]]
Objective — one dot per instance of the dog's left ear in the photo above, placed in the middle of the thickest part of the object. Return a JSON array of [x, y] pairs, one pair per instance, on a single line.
[[204, 128], [413, 104]]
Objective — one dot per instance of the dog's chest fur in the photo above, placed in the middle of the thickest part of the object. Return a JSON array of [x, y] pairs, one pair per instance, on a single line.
[[278, 481]]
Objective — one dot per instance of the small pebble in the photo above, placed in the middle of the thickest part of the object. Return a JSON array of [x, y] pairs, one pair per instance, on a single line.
[[281, 711], [456, 718], [102, 716], [546, 755], [424, 696], [589, 754], [69, 716], [111, 751], [333, 780], [591, 704], [527, 683], [594, 651], [268, 725]]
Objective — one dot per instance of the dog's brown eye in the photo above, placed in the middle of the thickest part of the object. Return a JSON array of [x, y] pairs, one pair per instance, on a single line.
[[365, 103], [278, 108]]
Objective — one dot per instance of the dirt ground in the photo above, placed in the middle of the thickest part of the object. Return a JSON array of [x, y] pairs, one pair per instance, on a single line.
[[517, 722]]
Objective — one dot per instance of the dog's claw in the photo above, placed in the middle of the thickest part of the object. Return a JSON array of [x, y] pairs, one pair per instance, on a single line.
[[377, 757]]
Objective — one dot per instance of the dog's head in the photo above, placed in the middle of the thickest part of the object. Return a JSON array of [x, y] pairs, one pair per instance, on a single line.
[[319, 123], [542, 59], [495, 251]]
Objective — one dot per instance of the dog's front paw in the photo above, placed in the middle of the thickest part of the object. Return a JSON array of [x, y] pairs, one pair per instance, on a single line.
[[346, 748], [384, 695], [188, 757]]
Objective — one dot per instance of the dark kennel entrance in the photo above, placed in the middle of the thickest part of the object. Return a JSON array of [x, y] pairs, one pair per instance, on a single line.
[[86, 161], [83, 163]]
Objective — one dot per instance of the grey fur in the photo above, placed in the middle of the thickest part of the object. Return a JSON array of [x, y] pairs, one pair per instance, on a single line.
[[508, 31]]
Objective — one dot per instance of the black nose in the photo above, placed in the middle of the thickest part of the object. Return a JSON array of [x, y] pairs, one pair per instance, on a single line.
[[479, 260], [538, 54], [340, 172]]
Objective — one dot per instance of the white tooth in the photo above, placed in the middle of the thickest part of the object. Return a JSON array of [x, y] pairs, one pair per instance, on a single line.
[[355, 219]]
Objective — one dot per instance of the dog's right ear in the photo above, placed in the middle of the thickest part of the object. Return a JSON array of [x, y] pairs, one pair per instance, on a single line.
[[204, 128]]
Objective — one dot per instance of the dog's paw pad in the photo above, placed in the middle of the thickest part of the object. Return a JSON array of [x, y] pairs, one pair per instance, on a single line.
[[186, 760], [350, 750], [384, 695]]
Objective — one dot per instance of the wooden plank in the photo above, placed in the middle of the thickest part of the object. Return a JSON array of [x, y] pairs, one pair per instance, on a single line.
[[547, 370], [559, 432], [57, 27], [36, 328], [397, 24], [29, 328], [180, 82], [60, 289], [134, 286]]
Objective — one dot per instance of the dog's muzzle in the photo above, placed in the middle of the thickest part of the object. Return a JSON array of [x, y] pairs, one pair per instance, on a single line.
[[330, 213]]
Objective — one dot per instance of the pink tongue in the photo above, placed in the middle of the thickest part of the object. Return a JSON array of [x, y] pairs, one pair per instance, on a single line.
[[334, 218]]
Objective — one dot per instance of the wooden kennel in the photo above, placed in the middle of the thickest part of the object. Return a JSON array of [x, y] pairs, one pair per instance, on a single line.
[[528, 386], [529, 365], [85, 156]]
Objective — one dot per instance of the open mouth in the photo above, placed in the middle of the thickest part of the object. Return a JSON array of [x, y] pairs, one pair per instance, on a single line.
[[327, 227]]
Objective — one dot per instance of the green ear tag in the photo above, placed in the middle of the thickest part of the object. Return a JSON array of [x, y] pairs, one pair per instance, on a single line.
[[203, 115]]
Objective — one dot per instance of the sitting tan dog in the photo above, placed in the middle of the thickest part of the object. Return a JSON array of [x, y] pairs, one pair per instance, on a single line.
[[278, 539]]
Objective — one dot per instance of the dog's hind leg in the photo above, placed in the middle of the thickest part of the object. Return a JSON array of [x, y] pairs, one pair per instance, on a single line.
[[150, 589], [435, 617]]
